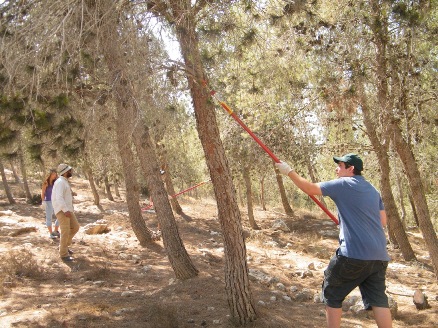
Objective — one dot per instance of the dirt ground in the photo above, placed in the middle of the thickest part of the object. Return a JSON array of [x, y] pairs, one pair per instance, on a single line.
[[114, 282]]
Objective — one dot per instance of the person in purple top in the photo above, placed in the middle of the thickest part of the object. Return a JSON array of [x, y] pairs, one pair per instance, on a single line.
[[361, 259], [46, 197]]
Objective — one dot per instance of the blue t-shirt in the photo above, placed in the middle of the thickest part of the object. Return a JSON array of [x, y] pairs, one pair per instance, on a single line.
[[361, 234]]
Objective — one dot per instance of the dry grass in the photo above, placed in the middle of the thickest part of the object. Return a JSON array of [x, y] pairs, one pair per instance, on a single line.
[[16, 265]]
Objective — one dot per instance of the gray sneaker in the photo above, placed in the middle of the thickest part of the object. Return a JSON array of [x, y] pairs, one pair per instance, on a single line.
[[52, 236], [67, 259], [56, 233]]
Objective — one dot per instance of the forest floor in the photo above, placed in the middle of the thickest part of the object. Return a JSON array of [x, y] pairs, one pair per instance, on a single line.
[[114, 282]]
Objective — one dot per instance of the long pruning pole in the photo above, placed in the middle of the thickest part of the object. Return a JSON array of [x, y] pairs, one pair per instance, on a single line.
[[188, 189], [178, 193], [266, 149]]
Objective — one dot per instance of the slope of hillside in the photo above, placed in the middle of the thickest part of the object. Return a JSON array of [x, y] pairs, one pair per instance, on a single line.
[[114, 282]]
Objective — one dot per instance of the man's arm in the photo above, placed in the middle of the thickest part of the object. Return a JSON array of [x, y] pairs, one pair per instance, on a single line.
[[308, 187]]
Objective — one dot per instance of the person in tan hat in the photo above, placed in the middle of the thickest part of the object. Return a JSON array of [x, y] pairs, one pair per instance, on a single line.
[[62, 201], [361, 259]]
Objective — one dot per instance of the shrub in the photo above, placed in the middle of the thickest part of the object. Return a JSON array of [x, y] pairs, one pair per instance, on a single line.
[[17, 264]]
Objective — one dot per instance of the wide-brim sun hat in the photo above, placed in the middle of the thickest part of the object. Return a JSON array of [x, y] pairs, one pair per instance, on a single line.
[[62, 168]]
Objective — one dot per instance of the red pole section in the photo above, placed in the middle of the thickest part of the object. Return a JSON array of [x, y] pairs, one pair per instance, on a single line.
[[177, 194], [188, 189], [270, 153]]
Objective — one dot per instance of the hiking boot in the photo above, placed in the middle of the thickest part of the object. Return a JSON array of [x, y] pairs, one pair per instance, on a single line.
[[67, 259], [56, 233]]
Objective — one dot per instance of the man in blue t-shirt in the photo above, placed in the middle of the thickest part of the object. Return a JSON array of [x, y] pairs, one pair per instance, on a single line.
[[361, 259]]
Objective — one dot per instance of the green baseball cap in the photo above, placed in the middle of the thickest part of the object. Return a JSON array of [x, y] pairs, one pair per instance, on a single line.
[[351, 159]]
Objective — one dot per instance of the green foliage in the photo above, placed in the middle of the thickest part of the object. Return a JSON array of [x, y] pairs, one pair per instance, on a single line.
[[60, 102]]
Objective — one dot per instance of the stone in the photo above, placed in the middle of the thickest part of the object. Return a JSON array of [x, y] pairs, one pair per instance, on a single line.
[[98, 227]]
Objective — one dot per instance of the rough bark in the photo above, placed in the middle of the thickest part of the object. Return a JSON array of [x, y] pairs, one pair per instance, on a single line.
[[107, 36], [134, 131], [287, 208], [89, 174], [108, 188], [414, 210], [14, 172], [312, 173], [249, 202], [6, 185], [418, 195], [262, 192], [24, 172], [395, 225], [176, 252], [236, 269], [381, 146], [169, 185]]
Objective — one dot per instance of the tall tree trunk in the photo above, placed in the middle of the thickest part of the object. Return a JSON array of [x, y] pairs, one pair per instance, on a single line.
[[401, 199], [107, 37], [287, 208], [23, 171], [141, 231], [108, 188], [381, 146], [14, 172], [236, 269], [262, 192], [418, 195], [6, 185], [414, 211], [129, 119], [169, 185], [89, 174], [312, 173], [249, 202], [397, 234], [179, 259], [116, 186]]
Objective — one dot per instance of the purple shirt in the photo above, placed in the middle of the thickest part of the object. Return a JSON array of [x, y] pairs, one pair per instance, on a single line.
[[48, 193]]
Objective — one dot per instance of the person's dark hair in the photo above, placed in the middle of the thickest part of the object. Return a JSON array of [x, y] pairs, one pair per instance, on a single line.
[[355, 171]]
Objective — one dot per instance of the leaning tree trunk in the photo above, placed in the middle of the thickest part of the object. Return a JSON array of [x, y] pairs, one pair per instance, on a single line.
[[107, 37], [249, 202], [169, 186], [6, 185], [178, 257], [236, 269], [129, 118], [287, 209], [395, 225], [141, 231], [414, 211], [418, 195], [14, 172], [380, 31]]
